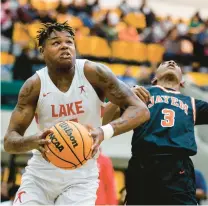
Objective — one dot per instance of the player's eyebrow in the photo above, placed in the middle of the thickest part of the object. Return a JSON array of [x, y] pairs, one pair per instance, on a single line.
[[56, 37], [53, 38]]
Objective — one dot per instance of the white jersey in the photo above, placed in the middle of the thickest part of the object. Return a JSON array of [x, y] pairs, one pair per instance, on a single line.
[[43, 183], [80, 103]]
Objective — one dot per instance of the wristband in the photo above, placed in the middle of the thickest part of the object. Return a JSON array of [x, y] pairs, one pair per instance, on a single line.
[[108, 131]]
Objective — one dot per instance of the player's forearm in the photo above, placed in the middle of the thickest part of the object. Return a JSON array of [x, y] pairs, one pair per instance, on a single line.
[[133, 117], [14, 143], [110, 112]]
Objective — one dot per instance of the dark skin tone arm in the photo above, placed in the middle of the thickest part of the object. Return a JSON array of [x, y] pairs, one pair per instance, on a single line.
[[136, 112], [14, 141], [112, 111]]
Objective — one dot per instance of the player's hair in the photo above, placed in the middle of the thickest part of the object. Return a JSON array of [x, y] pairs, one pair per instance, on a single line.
[[48, 28]]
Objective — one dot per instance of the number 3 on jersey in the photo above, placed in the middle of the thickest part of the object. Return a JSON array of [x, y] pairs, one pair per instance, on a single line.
[[169, 118]]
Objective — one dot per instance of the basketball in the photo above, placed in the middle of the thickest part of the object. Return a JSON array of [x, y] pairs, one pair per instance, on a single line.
[[70, 145]]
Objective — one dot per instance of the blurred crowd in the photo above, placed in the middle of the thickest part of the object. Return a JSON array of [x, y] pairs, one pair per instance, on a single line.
[[184, 40]]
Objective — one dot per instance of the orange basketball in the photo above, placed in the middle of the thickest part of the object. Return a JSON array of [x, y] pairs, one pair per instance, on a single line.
[[70, 145]]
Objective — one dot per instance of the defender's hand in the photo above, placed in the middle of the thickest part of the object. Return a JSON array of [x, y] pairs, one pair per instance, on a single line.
[[142, 93], [98, 137]]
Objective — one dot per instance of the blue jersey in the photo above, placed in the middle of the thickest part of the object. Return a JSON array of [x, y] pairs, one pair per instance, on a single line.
[[171, 125]]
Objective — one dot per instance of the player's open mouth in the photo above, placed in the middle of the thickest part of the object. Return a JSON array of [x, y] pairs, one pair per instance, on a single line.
[[65, 55], [171, 67]]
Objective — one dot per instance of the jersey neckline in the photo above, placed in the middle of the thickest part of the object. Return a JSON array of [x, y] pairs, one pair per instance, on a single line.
[[168, 90], [52, 83]]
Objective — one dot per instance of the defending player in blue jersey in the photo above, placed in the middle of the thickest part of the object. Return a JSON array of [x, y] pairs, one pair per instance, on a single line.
[[160, 170]]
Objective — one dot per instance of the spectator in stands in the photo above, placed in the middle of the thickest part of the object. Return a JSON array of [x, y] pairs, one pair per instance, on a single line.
[[30, 11], [159, 31], [196, 24], [45, 16], [149, 14], [202, 37], [7, 25], [83, 9], [167, 24], [201, 186], [22, 69], [126, 8], [106, 193], [186, 50], [109, 26], [154, 34], [12, 192], [182, 28], [172, 45], [128, 33], [128, 78], [147, 35]]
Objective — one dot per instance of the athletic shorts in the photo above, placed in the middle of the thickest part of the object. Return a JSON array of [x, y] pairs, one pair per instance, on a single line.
[[160, 180], [45, 184]]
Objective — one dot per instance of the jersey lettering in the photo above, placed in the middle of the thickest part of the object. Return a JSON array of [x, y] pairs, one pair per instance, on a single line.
[[158, 99], [73, 108], [69, 131], [151, 102], [169, 118], [174, 101], [56, 142], [168, 100]]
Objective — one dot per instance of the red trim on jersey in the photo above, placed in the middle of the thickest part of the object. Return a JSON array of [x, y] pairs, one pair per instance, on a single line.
[[194, 108], [168, 91], [19, 196]]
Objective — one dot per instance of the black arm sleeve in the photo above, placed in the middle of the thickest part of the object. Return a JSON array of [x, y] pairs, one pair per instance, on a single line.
[[201, 112]]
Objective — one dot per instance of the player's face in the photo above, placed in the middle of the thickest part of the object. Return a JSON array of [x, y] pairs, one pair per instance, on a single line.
[[59, 50], [169, 68]]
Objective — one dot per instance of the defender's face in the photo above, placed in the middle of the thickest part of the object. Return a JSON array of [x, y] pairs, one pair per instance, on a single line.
[[59, 50], [169, 68]]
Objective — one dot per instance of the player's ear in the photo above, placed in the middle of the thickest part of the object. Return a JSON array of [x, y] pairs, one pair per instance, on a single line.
[[41, 49], [154, 81], [182, 84]]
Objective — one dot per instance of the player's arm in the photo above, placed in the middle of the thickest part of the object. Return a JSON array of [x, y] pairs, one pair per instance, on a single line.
[[201, 108], [22, 116], [112, 111], [136, 112]]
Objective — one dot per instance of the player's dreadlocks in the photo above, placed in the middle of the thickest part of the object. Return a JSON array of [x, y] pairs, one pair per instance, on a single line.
[[45, 32]]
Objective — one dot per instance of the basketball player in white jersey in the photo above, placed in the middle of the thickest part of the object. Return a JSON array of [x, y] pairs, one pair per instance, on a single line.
[[66, 89]]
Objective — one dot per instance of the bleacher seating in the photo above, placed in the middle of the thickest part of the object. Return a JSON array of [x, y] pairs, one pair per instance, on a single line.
[[155, 53], [7, 58], [199, 79], [120, 182], [20, 34], [136, 20], [44, 5], [93, 46]]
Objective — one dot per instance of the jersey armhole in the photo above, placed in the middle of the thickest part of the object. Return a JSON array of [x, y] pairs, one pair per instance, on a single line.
[[85, 78], [40, 93]]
